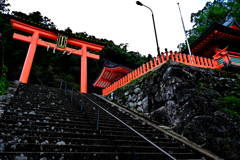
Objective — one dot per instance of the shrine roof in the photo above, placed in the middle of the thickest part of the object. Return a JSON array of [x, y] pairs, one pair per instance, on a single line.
[[55, 30], [110, 73], [228, 21], [215, 34]]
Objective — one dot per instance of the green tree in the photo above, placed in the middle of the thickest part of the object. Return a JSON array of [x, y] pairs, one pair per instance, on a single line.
[[4, 5], [214, 11], [48, 67]]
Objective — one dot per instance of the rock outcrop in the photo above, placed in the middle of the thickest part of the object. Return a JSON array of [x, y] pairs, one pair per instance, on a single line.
[[190, 100]]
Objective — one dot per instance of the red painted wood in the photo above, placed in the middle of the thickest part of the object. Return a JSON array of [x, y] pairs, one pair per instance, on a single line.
[[29, 58], [34, 41]]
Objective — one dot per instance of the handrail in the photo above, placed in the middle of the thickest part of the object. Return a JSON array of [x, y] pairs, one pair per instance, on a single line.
[[156, 62], [133, 130], [128, 126]]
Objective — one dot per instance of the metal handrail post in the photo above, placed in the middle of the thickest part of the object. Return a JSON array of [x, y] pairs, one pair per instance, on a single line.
[[82, 104], [71, 94], [61, 85], [65, 88], [133, 147], [98, 119], [133, 130]]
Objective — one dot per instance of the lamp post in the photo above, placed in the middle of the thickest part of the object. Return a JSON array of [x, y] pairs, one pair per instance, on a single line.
[[140, 4]]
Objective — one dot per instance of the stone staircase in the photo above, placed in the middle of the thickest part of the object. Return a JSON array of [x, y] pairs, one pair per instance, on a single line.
[[42, 123]]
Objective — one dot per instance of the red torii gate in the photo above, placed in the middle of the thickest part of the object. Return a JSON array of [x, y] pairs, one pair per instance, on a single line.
[[34, 41]]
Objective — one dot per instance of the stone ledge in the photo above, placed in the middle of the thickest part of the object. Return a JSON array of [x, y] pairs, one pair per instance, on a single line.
[[6, 98]]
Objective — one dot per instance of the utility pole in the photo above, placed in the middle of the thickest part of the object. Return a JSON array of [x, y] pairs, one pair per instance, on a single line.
[[184, 30]]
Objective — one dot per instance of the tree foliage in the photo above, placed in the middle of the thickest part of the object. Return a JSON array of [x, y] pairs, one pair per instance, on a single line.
[[214, 11], [49, 68], [4, 5]]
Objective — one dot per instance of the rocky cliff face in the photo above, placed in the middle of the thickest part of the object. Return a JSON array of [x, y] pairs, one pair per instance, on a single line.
[[200, 104]]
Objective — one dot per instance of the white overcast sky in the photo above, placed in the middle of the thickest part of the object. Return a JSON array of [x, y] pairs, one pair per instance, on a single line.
[[120, 20]]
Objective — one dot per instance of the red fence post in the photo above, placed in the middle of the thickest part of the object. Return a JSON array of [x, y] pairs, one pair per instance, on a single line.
[[184, 58], [151, 63], [171, 55], [198, 62], [201, 60], [139, 74], [176, 56], [163, 58], [159, 60], [144, 69], [155, 62], [166, 54], [180, 57], [206, 62], [136, 74], [193, 60], [189, 59], [210, 63], [147, 66]]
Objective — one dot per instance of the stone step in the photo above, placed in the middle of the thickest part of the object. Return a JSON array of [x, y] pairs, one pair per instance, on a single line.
[[45, 108], [86, 129], [61, 146], [57, 119], [80, 140], [33, 115], [95, 155], [75, 134]]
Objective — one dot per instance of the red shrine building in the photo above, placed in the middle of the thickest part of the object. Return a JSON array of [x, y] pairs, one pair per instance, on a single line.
[[110, 73], [220, 41]]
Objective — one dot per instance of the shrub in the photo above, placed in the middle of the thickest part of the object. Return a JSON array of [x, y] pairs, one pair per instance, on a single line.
[[232, 103], [3, 84], [232, 106]]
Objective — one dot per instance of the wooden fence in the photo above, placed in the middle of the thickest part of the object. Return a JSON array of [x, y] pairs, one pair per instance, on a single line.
[[161, 59]]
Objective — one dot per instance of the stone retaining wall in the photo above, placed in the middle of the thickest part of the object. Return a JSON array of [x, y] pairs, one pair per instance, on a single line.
[[188, 99], [5, 99]]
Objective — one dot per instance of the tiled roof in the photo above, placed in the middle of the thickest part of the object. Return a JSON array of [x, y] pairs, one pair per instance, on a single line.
[[110, 73]]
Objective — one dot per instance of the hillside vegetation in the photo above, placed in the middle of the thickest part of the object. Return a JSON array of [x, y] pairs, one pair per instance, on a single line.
[[48, 68]]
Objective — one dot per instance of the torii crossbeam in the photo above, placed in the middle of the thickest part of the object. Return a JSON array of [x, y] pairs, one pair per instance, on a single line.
[[34, 41]]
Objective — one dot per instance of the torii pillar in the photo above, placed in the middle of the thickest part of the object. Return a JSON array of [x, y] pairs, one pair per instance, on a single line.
[[34, 41]]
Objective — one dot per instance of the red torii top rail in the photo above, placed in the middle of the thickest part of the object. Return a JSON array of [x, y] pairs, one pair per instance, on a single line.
[[34, 41]]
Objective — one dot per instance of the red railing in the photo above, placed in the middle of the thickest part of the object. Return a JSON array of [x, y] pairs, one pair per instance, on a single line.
[[161, 59]]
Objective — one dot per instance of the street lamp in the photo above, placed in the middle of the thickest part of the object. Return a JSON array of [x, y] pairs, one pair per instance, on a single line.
[[140, 4]]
